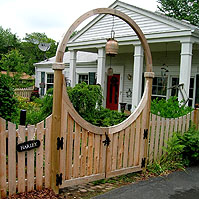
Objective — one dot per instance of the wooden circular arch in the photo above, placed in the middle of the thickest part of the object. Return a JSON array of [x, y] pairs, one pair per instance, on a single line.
[[124, 17]]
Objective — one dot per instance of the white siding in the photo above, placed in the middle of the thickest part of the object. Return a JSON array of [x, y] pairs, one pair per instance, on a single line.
[[102, 28]]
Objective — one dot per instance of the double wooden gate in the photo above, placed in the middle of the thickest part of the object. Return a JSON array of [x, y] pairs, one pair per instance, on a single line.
[[91, 153]]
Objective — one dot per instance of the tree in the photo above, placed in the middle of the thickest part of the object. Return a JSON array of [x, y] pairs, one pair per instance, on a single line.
[[13, 61], [8, 41], [181, 9], [31, 52]]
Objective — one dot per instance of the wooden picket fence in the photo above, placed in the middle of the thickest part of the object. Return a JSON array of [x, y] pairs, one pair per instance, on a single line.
[[161, 129], [24, 171], [24, 92]]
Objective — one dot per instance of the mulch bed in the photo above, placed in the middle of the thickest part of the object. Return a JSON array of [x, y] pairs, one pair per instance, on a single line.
[[44, 194]]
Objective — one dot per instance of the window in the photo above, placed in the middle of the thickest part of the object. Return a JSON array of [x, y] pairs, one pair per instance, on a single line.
[[159, 87], [50, 81], [83, 78]]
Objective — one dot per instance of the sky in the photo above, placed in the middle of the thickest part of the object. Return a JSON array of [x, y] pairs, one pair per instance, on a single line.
[[52, 17]]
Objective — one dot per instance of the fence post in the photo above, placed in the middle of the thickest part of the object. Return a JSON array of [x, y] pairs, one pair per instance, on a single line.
[[149, 77], [196, 117], [56, 124]]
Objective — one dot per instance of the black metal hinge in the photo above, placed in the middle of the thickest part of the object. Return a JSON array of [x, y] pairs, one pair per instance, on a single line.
[[59, 179], [145, 134], [60, 143], [107, 140], [143, 162]]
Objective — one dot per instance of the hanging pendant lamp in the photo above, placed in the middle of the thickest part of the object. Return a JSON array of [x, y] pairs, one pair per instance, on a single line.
[[111, 49]]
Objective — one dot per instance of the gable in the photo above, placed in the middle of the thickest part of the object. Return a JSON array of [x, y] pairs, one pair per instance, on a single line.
[[149, 22]]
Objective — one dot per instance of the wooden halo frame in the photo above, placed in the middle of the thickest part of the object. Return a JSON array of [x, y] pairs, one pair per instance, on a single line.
[[124, 17]]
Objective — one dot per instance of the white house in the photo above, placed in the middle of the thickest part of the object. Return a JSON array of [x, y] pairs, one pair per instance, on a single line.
[[174, 46]]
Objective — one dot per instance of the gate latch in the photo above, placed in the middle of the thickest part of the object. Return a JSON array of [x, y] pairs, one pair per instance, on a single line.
[[59, 179], [107, 140], [60, 143]]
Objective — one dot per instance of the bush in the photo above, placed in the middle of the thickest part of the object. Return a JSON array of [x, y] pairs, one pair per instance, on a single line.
[[8, 101], [170, 108], [182, 150], [190, 140], [87, 100], [106, 117]]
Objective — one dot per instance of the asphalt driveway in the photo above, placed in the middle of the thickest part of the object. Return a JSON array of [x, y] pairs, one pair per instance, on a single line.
[[177, 185]]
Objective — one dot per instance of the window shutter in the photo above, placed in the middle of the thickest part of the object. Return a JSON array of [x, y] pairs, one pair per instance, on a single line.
[[92, 80], [42, 83]]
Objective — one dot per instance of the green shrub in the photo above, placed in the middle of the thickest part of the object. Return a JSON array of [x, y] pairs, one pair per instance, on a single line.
[[170, 108], [8, 101], [106, 117], [182, 150], [87, 100], [190, 140]]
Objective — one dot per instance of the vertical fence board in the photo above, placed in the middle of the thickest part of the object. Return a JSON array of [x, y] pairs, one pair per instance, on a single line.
[[83, 150], [109, 155], [176, 125], [48, 151], [39, 156], [166, 133], [2, 158], [21, 161], [115, 151], [151, 149], [131, 147], [102, 155], [90, 153], [12, 158], [180, 125], [188, 122], [161, 136], [137, 143], [184, 118], [120, 149], [157, 138], [126, 147], [76, 151], [69, 147], [96, 154], [171, 128], [30, 161]]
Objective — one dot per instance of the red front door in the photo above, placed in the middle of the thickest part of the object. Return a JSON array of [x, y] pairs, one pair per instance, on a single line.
[[113, 92]]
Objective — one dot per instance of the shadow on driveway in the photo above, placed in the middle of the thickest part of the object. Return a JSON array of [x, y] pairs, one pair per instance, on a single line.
[[177, 185]]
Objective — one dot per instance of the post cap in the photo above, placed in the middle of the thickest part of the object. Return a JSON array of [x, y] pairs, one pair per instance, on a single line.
[[58, 66]]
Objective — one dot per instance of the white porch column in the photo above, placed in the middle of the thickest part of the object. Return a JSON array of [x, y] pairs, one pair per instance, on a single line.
[[137, 76], [185, 67], [101, 70], [72, 73]]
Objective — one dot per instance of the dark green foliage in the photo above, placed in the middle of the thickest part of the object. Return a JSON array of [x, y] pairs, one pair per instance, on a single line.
[[190, 140], [106, 117], [182, 150], [8, 102], [8, 41], [13, 61], [181, 9], [87, 100], [170, 108], [31, 51]]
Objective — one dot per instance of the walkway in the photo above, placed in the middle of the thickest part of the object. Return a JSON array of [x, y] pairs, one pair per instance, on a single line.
[[177, 185]]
